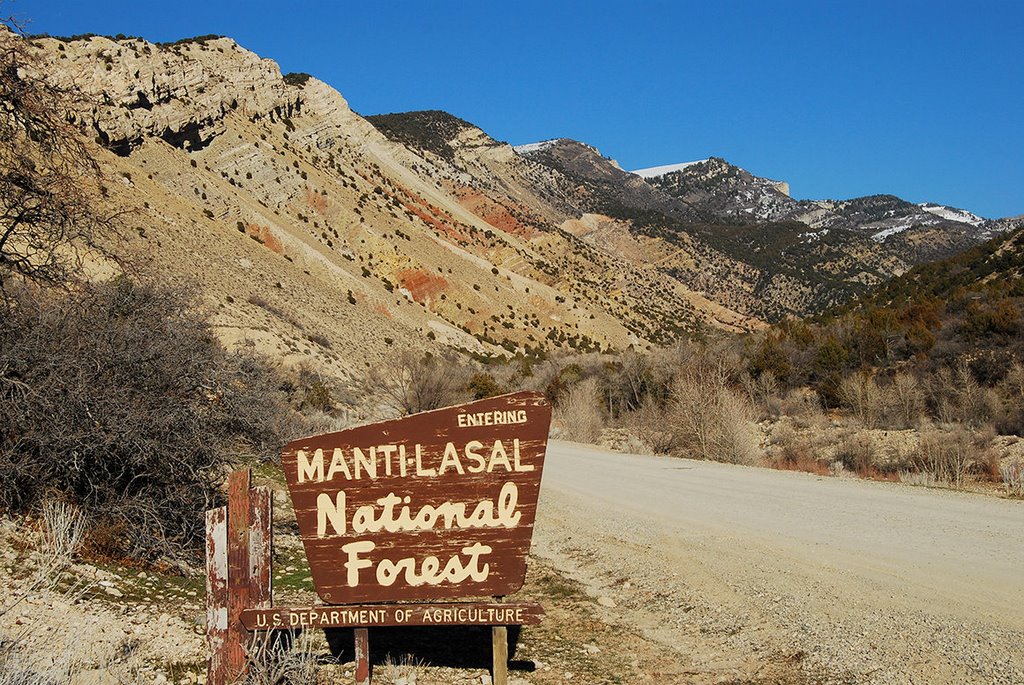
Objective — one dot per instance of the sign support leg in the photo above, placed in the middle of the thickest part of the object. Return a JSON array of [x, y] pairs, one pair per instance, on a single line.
[[499, 650], [362, 656], [239, 484]]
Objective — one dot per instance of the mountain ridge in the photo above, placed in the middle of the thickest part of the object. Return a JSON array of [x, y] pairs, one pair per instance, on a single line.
[[303, 221]]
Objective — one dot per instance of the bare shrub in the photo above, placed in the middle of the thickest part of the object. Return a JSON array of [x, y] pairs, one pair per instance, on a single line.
[[650, 424], [709, 419], [958, 398], [1011, 413], [904, 400], [627, 382], [802, 406], [763, 393], [412, 382], [579, 412], [794, 452], [949, 454], [118, 397], [1013, 478], [858, 453], [860, 393]]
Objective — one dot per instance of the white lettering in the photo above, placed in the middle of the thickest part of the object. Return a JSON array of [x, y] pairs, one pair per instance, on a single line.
[[335, 511], [354, 563], [310, 470]]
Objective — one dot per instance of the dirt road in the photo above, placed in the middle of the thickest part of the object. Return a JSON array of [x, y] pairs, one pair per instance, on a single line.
[[757, 575]]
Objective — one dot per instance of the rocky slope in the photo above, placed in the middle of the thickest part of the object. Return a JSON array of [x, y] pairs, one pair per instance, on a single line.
[[317, 238]]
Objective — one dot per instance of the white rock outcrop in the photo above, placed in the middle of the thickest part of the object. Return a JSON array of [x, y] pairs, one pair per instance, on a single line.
[[179, 92]]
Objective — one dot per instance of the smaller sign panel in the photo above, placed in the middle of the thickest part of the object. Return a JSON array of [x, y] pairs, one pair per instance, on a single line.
[[482, 614], [438, 505]]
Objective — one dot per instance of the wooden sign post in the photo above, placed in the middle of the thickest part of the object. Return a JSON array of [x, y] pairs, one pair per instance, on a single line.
[[238, 573], [435, 506]]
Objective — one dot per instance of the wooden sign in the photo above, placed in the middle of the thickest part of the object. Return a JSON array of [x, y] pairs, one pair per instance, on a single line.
[[437, 505], [347, 616]]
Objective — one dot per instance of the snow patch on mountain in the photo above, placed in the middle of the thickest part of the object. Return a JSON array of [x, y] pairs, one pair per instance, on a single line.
[[952, 213], [892, 230], [535, 147], [654, 171]]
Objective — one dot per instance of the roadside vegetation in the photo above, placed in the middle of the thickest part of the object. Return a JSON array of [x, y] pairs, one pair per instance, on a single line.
[[920, 381]]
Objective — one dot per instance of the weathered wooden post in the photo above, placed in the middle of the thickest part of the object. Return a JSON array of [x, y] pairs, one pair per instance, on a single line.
[[362, 656], [499, 653], [216, 595], [239, 556]]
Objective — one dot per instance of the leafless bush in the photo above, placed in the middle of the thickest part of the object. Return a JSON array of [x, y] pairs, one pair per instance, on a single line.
[[1013, 478], [118, 397], [579, 412], [792, 451], [709, 419], [763, 392], [802, 406], [276, 658], [958, 398], [858, 452], [1011, 413], [651, 425], [860, 393], [949, 454], [904, 399], [410, 382]]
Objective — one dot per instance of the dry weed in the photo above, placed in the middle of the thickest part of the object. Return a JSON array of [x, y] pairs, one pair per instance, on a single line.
[[275, 658], [403, 671]]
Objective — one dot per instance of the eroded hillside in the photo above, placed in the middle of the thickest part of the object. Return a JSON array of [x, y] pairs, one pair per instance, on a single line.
[[315, 236]]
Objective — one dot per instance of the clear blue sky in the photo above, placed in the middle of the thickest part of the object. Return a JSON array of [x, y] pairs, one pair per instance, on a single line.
[[921, 99]]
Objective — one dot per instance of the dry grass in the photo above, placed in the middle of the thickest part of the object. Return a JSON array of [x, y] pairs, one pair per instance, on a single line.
[[406, 670], [276, 658]]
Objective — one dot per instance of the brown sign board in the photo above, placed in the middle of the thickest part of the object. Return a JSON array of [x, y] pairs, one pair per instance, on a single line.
[[355, 615], [437, 505]]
